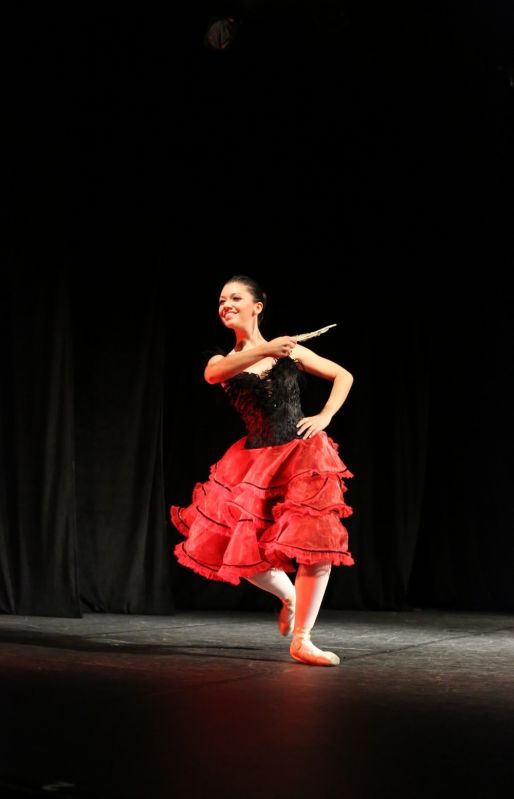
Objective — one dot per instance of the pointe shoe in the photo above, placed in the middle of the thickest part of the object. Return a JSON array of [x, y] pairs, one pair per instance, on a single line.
[[286, 615], [303, 649]]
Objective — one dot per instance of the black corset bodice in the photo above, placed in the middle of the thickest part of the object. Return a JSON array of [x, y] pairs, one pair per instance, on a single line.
[[269, 404]]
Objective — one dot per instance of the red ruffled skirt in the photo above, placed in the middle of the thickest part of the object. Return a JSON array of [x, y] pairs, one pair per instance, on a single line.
[[261, 508]]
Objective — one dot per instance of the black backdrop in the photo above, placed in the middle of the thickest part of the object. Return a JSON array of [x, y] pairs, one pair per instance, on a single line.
[[354, 161]]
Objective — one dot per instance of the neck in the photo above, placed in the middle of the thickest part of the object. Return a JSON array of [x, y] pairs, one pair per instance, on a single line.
[[246, 339]]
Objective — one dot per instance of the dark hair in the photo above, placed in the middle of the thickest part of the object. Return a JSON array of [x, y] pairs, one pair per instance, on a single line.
[[255, 290]]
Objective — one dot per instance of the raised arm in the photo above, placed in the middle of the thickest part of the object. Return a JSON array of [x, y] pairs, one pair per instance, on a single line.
[[220, 368]]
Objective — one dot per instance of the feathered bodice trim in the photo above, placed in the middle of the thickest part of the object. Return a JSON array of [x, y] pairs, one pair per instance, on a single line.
[[268, 403]]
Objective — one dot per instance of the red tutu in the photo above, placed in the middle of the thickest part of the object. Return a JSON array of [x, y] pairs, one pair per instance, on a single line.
[[263, 507]]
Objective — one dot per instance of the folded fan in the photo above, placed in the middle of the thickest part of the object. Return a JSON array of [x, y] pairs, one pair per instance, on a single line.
[[305, 336]]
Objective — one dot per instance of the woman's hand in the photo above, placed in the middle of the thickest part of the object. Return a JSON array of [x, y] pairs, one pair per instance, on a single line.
[[280, 347], [311, 425]]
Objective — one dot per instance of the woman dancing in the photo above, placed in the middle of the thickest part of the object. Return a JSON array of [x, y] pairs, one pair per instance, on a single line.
[[273, 503]]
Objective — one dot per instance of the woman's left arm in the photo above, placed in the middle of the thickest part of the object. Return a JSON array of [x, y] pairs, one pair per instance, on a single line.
[[341, 384]]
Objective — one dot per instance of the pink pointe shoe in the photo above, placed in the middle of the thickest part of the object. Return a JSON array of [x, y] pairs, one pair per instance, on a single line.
[[286, 615], [303, 649]]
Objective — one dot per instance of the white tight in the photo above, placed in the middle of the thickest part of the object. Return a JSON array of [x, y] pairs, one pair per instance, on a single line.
[[275, 581], [310, 585]]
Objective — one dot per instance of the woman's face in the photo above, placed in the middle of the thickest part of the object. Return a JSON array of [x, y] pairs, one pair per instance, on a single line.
[[237, 306]]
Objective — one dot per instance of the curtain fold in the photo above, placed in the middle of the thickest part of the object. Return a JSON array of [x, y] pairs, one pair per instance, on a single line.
[[83, 524], [105, 419], [38, 541], [119, 362]]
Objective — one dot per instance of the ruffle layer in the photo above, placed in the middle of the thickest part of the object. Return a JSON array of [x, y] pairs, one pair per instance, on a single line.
[[263, 508]]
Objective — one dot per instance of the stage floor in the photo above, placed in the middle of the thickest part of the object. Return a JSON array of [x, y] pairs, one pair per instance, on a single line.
[[144, 707]]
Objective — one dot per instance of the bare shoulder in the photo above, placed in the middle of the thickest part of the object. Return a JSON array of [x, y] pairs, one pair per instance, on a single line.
[[315, 364], [300, 352], [303, 355]]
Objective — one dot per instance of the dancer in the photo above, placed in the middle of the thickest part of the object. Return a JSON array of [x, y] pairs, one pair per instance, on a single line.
[[273, 503]]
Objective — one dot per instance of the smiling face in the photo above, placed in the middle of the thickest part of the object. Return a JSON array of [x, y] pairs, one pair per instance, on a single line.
[[238, 308]]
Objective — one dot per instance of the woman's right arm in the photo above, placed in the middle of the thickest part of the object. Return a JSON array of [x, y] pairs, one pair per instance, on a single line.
[[220, 368]]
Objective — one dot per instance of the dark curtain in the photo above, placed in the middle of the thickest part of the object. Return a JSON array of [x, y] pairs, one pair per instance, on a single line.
[[425, 430], [125, 561], [352, 160], [82, 516], [38, 527], [465, 551]]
